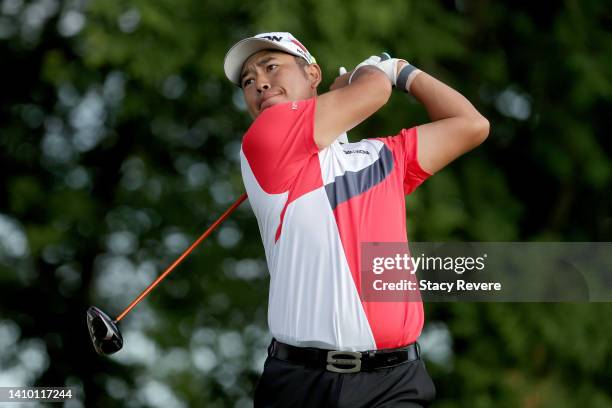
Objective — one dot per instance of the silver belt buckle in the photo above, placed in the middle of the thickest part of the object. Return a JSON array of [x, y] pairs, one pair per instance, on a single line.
[[354, 361]]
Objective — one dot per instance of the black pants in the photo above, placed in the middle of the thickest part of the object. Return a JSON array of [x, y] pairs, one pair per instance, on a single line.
[[285, 384]]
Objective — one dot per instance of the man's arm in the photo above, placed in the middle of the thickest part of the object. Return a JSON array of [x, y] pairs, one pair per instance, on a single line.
[[456, 127], [343, 108]]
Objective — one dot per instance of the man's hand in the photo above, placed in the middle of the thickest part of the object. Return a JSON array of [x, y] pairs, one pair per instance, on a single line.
[[341, 80], [372, 61], [399, 72], [390, 66]]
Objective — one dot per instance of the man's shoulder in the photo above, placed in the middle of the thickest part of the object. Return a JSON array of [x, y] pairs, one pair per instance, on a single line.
[[282, 119]]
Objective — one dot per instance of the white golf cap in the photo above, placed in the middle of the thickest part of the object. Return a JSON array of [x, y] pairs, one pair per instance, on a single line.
[[242, 50]]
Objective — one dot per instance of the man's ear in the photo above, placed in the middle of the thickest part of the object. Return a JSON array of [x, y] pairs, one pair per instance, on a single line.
[[313, 71]]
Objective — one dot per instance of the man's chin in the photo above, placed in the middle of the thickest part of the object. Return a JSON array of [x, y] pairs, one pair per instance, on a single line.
[[270, 102]]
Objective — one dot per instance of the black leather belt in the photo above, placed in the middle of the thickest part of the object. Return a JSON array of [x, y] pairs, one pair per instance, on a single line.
[[344, 361]]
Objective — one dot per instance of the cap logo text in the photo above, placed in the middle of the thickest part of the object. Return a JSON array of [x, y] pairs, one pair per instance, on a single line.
[[273, 38]]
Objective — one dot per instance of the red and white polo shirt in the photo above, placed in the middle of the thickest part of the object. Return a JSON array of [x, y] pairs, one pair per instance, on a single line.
[[314, 209]]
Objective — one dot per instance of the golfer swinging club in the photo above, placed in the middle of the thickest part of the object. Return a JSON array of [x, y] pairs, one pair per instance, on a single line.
[[317, 199]]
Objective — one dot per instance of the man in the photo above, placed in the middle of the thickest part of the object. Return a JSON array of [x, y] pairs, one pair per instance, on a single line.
[[316, 200]]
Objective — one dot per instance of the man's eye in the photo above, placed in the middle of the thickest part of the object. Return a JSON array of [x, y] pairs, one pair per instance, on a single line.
[[271, 67], [247, 82]]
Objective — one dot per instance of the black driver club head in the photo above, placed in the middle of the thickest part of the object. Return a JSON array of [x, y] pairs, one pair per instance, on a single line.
[[105, 335]]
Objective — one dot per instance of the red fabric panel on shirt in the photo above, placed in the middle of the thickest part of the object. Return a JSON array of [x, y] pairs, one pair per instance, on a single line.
[[379, 215], [280, 143], [405, 144], [282, 153]]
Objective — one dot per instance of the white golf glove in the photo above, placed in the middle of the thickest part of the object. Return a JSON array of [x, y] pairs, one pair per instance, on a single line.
[[372, 60], [388, 66]]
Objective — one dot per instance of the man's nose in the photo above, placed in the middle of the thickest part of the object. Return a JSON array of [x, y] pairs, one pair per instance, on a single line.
[[262, 86]]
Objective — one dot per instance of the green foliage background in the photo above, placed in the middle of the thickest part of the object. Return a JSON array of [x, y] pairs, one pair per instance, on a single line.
[[119, 140]]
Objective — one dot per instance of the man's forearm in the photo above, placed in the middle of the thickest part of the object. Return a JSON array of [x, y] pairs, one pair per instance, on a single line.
[[456, 126], [440, 100]]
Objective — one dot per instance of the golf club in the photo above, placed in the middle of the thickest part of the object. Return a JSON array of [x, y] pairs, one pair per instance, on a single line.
[[103, 330]]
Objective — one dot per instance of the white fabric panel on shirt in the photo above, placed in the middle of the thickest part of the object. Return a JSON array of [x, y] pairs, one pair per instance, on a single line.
[[311, 280], [313, 300], [340, 158], [267, 207]]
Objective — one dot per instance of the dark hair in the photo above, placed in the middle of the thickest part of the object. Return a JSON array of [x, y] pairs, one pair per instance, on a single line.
[[302, 63]]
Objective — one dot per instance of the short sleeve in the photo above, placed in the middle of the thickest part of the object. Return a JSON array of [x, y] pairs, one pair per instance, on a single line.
[[404, 147], [279, 143]]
